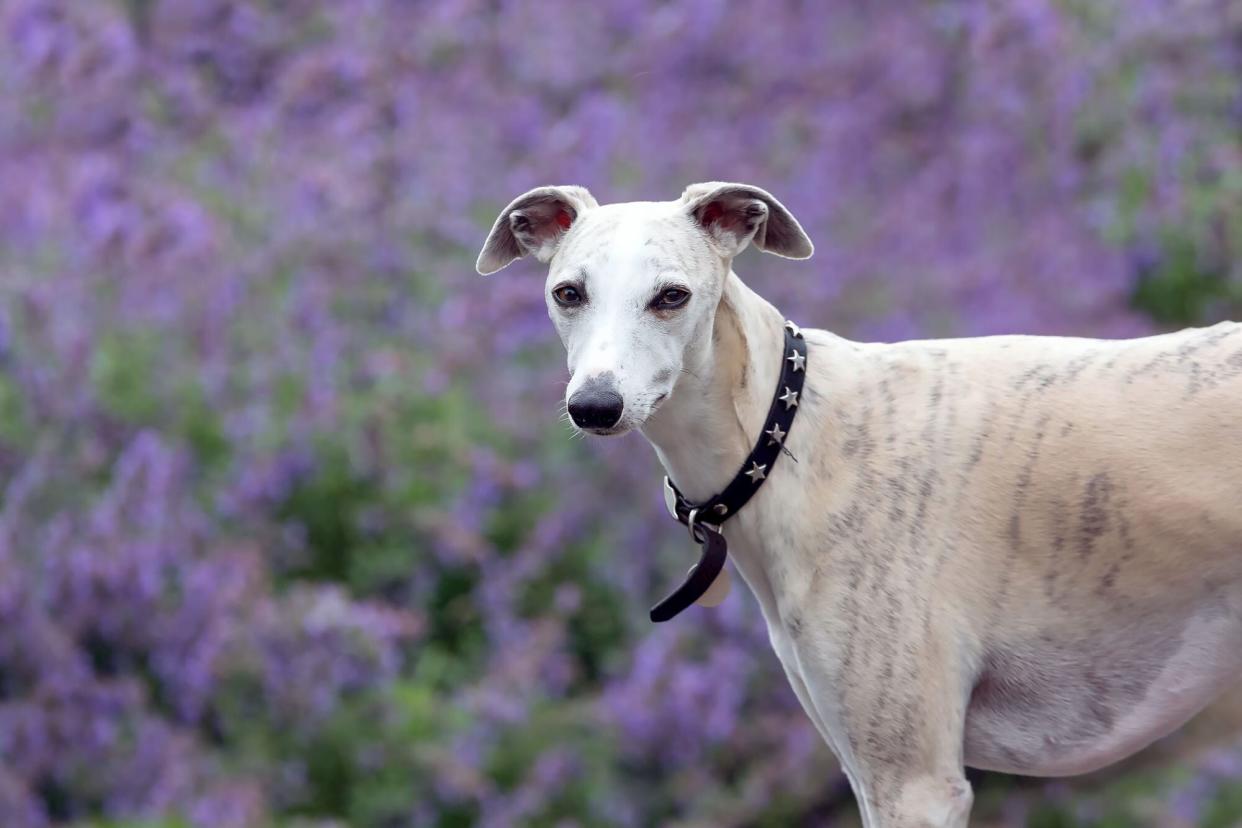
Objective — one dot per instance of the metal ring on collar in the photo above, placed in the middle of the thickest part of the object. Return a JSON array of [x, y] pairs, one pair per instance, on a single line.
[[694, 513], [696, 528]]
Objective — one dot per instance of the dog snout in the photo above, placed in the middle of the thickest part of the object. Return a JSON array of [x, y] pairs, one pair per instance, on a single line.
[[596, 405]]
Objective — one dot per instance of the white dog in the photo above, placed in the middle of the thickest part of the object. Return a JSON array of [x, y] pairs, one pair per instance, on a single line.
[[1016, 553]]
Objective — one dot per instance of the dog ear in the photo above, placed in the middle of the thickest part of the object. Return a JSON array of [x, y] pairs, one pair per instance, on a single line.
[[734, 215], [533, 224]]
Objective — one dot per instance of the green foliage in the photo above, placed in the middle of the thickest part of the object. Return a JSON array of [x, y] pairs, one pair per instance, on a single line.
[[122, 367], [15, 426], [1191, 275], [1224, 810], [419, 436], [597, 627], [1183, 288], [124, 372]]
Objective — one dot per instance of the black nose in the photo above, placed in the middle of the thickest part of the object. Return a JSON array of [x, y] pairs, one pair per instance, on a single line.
[[595, 405]]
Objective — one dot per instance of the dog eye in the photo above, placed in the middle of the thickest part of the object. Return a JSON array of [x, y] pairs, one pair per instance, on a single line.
[[567, 296], [671, 298]]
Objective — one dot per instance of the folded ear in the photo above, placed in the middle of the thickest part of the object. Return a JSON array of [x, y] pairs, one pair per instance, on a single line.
[[533, 223], [733, 215]]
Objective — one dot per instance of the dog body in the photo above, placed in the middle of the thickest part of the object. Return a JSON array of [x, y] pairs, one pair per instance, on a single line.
[[1015, 553]]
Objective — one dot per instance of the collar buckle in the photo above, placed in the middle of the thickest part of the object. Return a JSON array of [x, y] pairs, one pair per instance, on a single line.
[[670, 499]]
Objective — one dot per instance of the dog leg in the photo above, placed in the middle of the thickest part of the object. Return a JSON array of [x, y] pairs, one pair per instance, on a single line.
[[895, 723], [927, 801], [783, 648]]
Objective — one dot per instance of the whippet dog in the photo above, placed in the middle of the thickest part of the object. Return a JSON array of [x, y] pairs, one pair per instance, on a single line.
[[1016, 553]]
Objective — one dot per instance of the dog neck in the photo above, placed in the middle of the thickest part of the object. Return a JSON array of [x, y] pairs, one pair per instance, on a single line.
[[709, 424], [706, 428]]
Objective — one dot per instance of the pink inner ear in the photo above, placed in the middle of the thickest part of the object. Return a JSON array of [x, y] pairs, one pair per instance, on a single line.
[[564, 219], [711, 213]]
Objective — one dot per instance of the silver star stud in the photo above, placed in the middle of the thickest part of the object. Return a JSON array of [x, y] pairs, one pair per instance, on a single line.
[[757, 472], [776, 435], [789, 398], [798, 360]]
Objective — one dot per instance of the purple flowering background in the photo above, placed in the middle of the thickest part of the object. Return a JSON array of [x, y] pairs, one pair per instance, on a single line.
[[290, 533]]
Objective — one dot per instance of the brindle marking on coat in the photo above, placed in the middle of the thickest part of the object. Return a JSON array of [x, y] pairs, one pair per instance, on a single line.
[[1015, 553]]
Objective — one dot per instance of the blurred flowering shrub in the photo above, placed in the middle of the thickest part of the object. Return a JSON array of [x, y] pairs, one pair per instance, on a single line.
[[289, 529]]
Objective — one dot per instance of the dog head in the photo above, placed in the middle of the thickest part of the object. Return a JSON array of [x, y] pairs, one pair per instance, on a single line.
[[633, 288]]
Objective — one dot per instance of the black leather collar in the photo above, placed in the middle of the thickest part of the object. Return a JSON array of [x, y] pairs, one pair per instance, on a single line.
[[704, 519]]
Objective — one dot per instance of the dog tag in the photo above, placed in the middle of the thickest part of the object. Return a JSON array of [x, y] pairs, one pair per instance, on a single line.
[[717, 592]]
